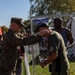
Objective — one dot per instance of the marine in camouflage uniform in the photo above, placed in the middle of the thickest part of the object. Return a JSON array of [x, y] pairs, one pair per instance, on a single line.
[[10, 50]]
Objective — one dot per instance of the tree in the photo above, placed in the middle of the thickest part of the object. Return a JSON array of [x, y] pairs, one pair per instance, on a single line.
[[4, 29], [27, 26], [45, 7]]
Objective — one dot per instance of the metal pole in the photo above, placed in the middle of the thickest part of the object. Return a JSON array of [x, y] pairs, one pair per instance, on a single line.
[[26, 60], [49, 16], [32, 33]]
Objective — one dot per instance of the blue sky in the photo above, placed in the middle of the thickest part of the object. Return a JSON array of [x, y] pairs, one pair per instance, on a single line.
[[13, 8]]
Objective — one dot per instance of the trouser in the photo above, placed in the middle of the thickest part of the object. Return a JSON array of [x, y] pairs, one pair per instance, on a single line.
[[54, 72], [63, 73], [19, 67]]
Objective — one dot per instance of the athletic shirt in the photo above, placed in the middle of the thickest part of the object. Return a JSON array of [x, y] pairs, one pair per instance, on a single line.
[[64, 35]]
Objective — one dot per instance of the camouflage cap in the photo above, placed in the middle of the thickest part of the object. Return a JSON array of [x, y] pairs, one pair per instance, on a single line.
[[18, 21]]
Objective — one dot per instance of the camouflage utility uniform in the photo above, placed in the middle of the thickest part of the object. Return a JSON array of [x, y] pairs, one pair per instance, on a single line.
[[10, 50]]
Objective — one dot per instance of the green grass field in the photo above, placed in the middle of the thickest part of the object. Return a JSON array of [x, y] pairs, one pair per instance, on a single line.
[[40, 71]]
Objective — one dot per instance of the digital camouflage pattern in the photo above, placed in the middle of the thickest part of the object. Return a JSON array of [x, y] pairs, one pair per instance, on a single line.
[[10, 50]]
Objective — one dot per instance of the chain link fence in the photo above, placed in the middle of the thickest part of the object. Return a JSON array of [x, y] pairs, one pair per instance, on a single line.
[[38, 56], [39, 53]]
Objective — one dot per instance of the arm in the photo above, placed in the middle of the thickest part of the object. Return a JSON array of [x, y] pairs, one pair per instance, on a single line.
[[50, 59], [69, 24], [36, 37], [31, 40], [26, 40], [53, 46], [13, 38], [70, 38]]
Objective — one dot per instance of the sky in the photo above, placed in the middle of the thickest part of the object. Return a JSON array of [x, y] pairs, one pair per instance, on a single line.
[[13, 8]]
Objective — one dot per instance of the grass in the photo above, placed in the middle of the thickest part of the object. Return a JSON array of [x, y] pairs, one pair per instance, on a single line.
[[72, 68], [40, 71], [23, 68]]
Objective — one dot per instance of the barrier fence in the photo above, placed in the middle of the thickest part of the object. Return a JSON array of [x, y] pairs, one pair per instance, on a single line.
[[40, 54]]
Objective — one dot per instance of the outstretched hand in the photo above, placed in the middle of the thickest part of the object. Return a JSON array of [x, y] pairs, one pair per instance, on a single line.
[[44, 33]]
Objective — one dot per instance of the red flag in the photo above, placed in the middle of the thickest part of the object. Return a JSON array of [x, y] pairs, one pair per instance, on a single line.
[[0, 31]]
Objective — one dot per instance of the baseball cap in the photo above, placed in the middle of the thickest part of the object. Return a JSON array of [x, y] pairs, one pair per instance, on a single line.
[[18, 21], [40, 25]]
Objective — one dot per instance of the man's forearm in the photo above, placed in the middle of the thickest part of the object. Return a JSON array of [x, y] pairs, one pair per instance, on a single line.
[[51, 58], [70, 45], [31, 40]]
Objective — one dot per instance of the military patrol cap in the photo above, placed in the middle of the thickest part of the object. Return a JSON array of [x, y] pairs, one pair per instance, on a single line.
[[18, 21], [40, 25]]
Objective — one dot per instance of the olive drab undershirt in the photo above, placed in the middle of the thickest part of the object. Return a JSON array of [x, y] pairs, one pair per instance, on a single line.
[[56, 45]]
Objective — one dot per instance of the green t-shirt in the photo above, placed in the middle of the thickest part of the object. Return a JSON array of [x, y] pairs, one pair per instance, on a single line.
[[56, 45]]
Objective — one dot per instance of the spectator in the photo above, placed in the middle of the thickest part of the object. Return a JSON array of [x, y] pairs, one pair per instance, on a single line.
[[65, 32], [18, 67], [1, 40]]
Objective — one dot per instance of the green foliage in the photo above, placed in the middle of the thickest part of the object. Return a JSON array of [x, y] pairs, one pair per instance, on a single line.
[[23, 68], [4, 29], [45, 7], [72, 68]]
